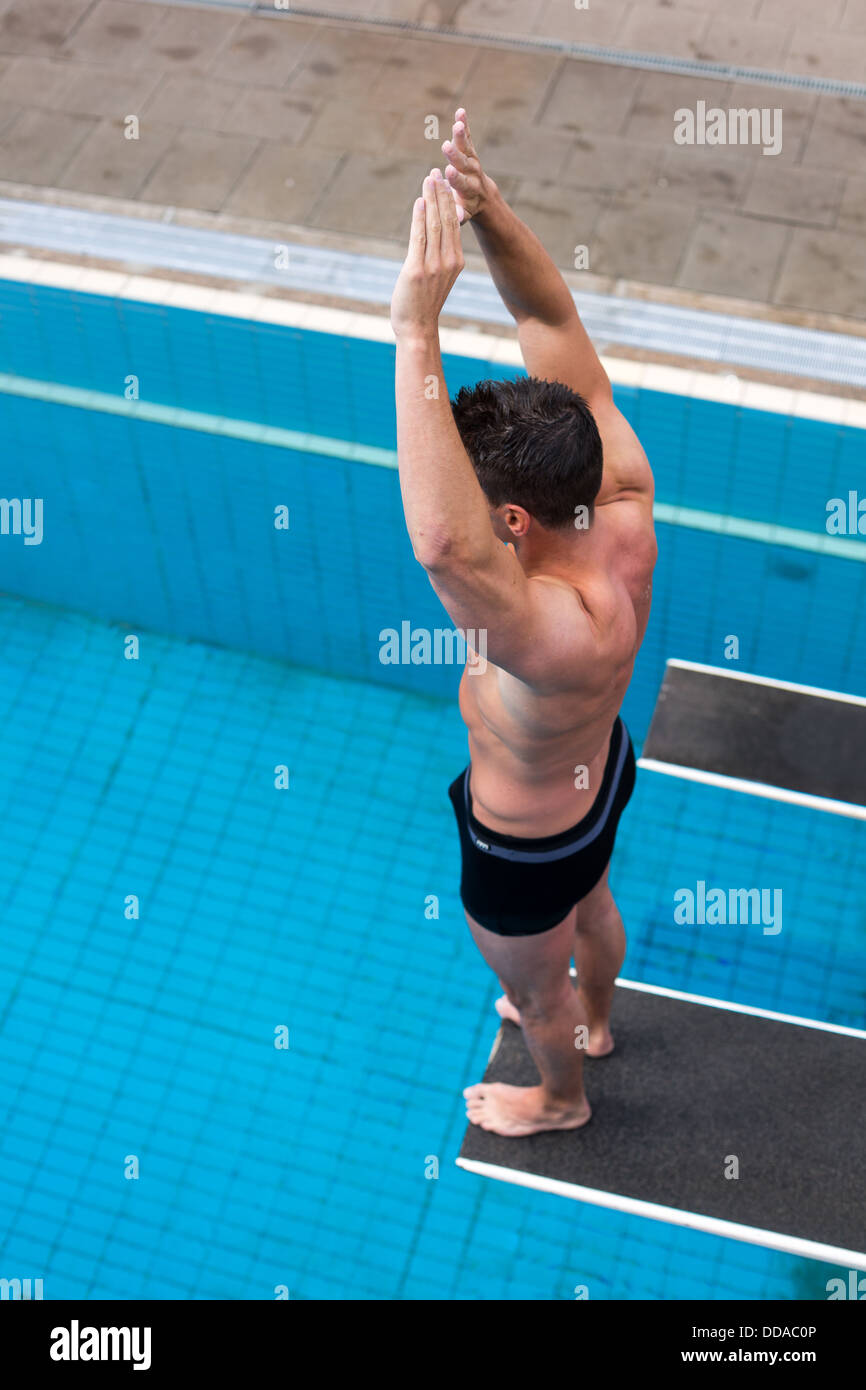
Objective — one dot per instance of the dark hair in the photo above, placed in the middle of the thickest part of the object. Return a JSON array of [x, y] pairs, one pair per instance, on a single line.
[[532, 442]]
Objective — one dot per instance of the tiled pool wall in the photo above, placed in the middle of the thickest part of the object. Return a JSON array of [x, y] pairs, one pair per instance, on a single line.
[[168, 528]]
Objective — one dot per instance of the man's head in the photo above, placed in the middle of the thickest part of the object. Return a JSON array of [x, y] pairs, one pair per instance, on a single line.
[[534, 445]]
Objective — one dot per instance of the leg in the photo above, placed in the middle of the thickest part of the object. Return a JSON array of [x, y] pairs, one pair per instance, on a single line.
[[599, 951], [534, 971]]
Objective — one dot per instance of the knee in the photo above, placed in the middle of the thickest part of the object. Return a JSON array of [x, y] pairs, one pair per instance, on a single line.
[[598, 919], [538, 1005]]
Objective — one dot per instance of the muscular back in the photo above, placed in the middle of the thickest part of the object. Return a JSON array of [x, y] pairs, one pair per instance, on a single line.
[[530, 738]]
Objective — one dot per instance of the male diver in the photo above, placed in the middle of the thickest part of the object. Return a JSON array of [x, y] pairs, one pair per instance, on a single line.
[[549, 466]]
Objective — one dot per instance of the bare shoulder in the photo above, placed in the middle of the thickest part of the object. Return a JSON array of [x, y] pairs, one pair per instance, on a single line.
[[578, 633], [627, 471]]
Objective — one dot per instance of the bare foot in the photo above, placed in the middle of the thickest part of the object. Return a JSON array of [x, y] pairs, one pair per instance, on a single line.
[[600, 1039], [514, 1111], [600, 1042], [506, 1009]]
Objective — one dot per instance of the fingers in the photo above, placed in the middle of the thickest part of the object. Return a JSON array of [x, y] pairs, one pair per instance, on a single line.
[[441, 222], [461, 133], [463, 171], [455, 156], [417, 232], [460, 149], [462, 190], [447, 208], [461, 182], [433, 219], [450, 249]]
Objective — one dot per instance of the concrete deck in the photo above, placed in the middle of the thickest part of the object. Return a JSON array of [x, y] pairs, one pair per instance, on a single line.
[[320, 125]]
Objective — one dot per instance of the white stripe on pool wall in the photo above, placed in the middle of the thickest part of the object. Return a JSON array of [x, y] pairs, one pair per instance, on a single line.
[[742, 528], [81, 398]]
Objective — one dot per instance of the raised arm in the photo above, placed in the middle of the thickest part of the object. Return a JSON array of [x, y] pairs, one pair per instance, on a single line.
[[554, 342], [534, 628]]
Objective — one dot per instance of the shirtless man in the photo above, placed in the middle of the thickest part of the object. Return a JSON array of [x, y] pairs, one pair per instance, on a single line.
[[564, 603]]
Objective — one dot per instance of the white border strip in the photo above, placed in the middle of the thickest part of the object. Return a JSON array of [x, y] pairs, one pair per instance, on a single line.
[[740, 784], [725, 387], [767, 680], [672, 1216], [750, 1009]]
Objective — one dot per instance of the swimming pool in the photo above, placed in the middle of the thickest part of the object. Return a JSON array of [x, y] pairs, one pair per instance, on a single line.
[[169, 910]]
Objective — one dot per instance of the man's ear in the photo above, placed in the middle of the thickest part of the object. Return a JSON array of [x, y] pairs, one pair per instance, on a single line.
[[516, 518]]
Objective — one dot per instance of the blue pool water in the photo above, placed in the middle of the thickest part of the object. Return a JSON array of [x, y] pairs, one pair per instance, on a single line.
[[304, 909]]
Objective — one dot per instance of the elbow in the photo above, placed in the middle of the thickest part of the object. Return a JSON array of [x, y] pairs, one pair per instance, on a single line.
[[435, 550]]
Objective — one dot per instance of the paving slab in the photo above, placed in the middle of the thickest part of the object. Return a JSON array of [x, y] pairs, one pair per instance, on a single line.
[[822, 268], [270, 115], [727, 249], [796, 195], [854, 18], [93, 90], [200, 169], [510, 86], [818, 54], [108, 163], [694, 173], [643, 237], [204, 102], [39, 26], [837, 138], [852, 209], [600, 24], [610, 163], [658, 95], [263, 51], [562, 225], [727, 40], [113, 31], [35, 147], [33, 80], [283, 182], [371, 194], [594, 97]]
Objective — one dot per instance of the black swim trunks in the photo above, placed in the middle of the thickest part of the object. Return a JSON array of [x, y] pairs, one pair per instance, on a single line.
[[518, 886]]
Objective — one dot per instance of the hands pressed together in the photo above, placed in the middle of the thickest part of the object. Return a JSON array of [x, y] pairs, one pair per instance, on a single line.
[[435, 255]]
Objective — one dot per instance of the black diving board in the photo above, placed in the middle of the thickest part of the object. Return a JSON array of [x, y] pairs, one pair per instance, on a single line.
[[691, 1083], [795, 742]]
